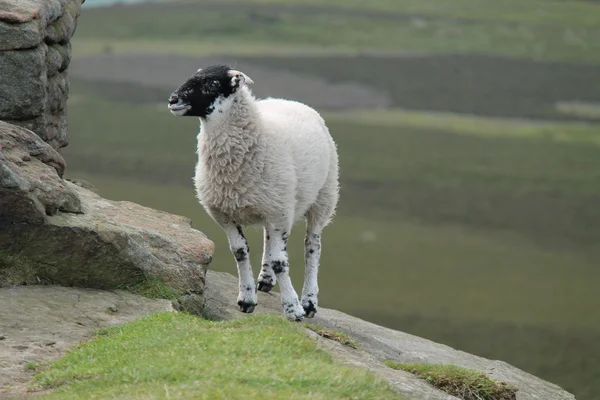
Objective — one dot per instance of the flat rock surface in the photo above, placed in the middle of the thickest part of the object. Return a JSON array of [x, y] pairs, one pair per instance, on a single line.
[[378, 343], [39, 323]]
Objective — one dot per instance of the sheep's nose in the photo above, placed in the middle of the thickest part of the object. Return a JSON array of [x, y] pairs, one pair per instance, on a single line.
[[173, 99]]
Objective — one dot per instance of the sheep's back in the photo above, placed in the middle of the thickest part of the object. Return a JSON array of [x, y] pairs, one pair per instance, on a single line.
[[299, 136]]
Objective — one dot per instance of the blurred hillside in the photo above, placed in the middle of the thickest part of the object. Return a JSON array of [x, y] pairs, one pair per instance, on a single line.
[[469, 139]]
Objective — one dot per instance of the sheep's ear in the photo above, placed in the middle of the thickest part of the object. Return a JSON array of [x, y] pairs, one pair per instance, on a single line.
[[239, 78]]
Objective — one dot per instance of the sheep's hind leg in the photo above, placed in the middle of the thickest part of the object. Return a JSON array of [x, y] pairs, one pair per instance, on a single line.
[[239, 247], [277, 257], [266, 279], [317, 217], [312, 254]]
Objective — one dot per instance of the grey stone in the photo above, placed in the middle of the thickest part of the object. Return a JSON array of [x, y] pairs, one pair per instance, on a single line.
[[30, 178], [109, 245], [36, 92], [40, 323], [84, 184], [56, 131], [56, 232], [45, 11], [22, 36], [61, 30], [57, 58], [20, 11], [65, 50], [23, 87], [37, 124], [53, 231], [57, 94], [378, 343]]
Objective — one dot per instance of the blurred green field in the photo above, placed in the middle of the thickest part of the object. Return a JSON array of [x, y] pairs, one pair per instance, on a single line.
[[402, 168], [456, 222], [533, 29]]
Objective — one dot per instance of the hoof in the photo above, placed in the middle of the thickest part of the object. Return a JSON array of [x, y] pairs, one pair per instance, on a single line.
[[295, 317], [310, 309], [264, 287], [246, 307], [293, 312]]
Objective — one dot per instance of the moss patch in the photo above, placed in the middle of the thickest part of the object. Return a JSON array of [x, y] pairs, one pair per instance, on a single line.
[[333, 335], [152, 288], [461, 382], [16, 270]]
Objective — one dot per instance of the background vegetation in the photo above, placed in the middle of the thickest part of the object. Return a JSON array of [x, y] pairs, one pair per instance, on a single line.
[[469, 210]]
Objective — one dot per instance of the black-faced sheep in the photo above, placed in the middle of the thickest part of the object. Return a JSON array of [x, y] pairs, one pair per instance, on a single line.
[[269, 162]]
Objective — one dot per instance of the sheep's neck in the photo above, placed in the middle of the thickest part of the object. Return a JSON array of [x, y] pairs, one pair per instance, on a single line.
[[225, 145]]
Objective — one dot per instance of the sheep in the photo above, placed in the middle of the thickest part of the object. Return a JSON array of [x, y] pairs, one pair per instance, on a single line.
[[268, 162]]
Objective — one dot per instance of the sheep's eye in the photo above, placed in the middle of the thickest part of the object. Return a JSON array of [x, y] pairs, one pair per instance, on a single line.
[[214, 84]]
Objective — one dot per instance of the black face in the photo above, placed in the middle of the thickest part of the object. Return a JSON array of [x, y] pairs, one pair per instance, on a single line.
[[196, 97]]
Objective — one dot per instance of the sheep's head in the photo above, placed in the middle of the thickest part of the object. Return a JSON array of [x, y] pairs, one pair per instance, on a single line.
[[198, 95]]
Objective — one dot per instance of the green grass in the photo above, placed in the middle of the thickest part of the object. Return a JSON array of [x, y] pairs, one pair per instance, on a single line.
[[153, 288], [538, 31], [461, 382], [169, 355], [334, 335]]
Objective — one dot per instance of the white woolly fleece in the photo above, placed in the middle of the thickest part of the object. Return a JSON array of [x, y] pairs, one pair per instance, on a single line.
[[266, 161]]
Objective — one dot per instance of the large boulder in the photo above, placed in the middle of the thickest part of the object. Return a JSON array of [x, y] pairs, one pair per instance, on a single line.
[[56, 232], [35, 52]]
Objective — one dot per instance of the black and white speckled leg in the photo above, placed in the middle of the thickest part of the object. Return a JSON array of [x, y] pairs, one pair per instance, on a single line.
[[312, 254], [240, 250], [277, 258], [266, 279]]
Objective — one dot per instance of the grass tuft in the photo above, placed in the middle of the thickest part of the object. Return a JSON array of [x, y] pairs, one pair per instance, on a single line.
[[333, 335], [32, 366], [176, 355], [152, 288], [457, 381]]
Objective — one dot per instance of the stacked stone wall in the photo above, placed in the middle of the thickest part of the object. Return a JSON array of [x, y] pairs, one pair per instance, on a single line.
[[35, 52]]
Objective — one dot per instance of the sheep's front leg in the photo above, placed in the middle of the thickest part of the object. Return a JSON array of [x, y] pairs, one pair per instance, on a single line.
[[277, 258], [266, 279], [239, 247], [312, 254]]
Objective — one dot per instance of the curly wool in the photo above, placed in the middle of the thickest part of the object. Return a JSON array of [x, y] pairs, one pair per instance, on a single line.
[[264, 160]]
